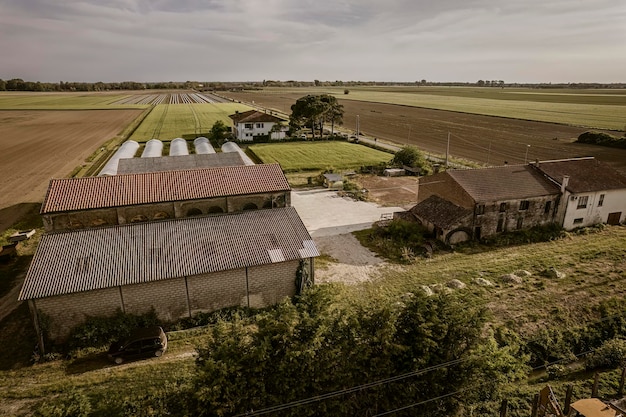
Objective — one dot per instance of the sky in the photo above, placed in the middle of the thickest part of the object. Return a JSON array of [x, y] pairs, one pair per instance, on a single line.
[[525, 41]]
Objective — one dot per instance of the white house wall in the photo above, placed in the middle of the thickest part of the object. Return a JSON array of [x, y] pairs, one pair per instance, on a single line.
[[257, 129], [614, 202]]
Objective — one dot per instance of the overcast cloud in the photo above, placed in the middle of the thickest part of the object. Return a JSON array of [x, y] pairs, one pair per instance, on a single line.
[[382, 40]]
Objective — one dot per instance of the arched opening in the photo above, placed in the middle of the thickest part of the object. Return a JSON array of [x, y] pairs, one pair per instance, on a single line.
[[215, 210], [139, 218], [250, 206], [161, 215], [194, 212]]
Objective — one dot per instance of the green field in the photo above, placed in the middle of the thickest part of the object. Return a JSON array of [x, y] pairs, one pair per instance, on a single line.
[[63, 101], [602, 109], [316, 156], [169, 121]]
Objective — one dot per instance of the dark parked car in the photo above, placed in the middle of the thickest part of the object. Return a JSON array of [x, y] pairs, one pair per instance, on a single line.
[[141, 343]]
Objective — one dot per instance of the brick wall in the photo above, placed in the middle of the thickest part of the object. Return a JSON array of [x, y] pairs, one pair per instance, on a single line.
[[269, 284], [66, 311], [168, 297], [211, 292]]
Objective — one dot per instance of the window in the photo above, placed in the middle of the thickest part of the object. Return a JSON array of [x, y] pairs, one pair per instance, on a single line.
[[259, 125], [547, 208], [601, 200], [480, 209], [524, 204], [249, 126], [500, 225], [578, 221], [502, 207], [520, 222], [582, 202]]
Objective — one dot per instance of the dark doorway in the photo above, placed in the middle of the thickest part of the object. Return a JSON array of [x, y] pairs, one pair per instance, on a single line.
[[614, 218]]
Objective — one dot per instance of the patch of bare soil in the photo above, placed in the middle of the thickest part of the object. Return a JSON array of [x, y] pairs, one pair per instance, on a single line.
[[390, 191], [483, 139], [38, 145], [354, 263]]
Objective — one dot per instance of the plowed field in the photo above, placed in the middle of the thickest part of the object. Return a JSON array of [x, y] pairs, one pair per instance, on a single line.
[[38, 145], [484, 139]]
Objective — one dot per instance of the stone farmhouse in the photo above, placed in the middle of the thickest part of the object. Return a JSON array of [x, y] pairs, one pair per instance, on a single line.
[[482, 202], [252, 123], [459, 205], [180, 242]]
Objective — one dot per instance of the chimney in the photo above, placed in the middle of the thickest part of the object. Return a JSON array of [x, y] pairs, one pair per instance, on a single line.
[[564, 183]]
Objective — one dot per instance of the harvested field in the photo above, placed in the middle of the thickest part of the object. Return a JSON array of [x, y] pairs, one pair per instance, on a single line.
[[38, 145], [483, 139]]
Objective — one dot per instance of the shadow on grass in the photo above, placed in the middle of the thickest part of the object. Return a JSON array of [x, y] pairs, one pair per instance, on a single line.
[[19, 339], [91, 362]]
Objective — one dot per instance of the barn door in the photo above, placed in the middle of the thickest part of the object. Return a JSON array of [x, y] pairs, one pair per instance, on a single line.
[[614, 218]]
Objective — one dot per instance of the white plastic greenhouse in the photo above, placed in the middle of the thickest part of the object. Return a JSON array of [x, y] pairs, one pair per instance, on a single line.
[[127, 150], [203, 146], [233, 147], [178, 147], [154, 148]]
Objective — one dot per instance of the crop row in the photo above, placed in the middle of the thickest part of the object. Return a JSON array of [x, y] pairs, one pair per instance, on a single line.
[[177, 98]]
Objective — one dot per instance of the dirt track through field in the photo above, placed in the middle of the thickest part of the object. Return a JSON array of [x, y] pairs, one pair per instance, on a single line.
[[36, 146], [484, 139]]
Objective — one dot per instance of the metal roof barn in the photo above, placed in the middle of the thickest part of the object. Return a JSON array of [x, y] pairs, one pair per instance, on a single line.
[[154, 148], [127, 150], [178, 147], [233, 147], [174, 163], [203, 146], [105, 257]]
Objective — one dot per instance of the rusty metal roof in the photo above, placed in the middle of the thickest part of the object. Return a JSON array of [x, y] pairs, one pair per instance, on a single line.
[[92, 259], [509, 182], [72, 194]]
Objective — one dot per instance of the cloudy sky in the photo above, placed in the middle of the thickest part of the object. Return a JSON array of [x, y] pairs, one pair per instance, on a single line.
[[239, 40]]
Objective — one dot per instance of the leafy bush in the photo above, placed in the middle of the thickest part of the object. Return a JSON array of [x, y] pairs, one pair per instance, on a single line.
[[400, 240], [101, 331], [533, 235], [612, 354], [603, 139], [71, 404]]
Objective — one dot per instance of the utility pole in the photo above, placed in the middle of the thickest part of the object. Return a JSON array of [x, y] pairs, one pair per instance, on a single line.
[[448, 150], [526, 156], [357, 128], [489, 153], [408, 137]]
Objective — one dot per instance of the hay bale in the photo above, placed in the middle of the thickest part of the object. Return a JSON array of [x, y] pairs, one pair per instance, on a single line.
[[483, 282], [511, 279], [456, 284], [427, 290], [553, 273]]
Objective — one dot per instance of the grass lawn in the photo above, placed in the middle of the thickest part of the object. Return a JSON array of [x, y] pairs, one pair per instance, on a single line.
[[316, 156], [170, 121]]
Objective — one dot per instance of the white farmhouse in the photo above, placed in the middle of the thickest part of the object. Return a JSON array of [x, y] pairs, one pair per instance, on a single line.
[[591, 192], [250, 124]]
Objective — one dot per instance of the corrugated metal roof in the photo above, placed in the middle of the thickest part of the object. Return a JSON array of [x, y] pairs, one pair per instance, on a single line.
[[586, 174], [177, 163], [91, 259], [71, 194], [503, 183]]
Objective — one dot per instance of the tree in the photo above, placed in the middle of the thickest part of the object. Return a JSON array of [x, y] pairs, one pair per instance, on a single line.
[[333, 112], [307, 112], [3, 85], [218, 130], [412, 157]]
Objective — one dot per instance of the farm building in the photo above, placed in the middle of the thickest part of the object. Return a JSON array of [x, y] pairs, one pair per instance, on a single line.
[[127, 150], [592, 191], [499, 199], [176, 163], [250, 124], [76, 203], [178, 267], [232, 147]]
